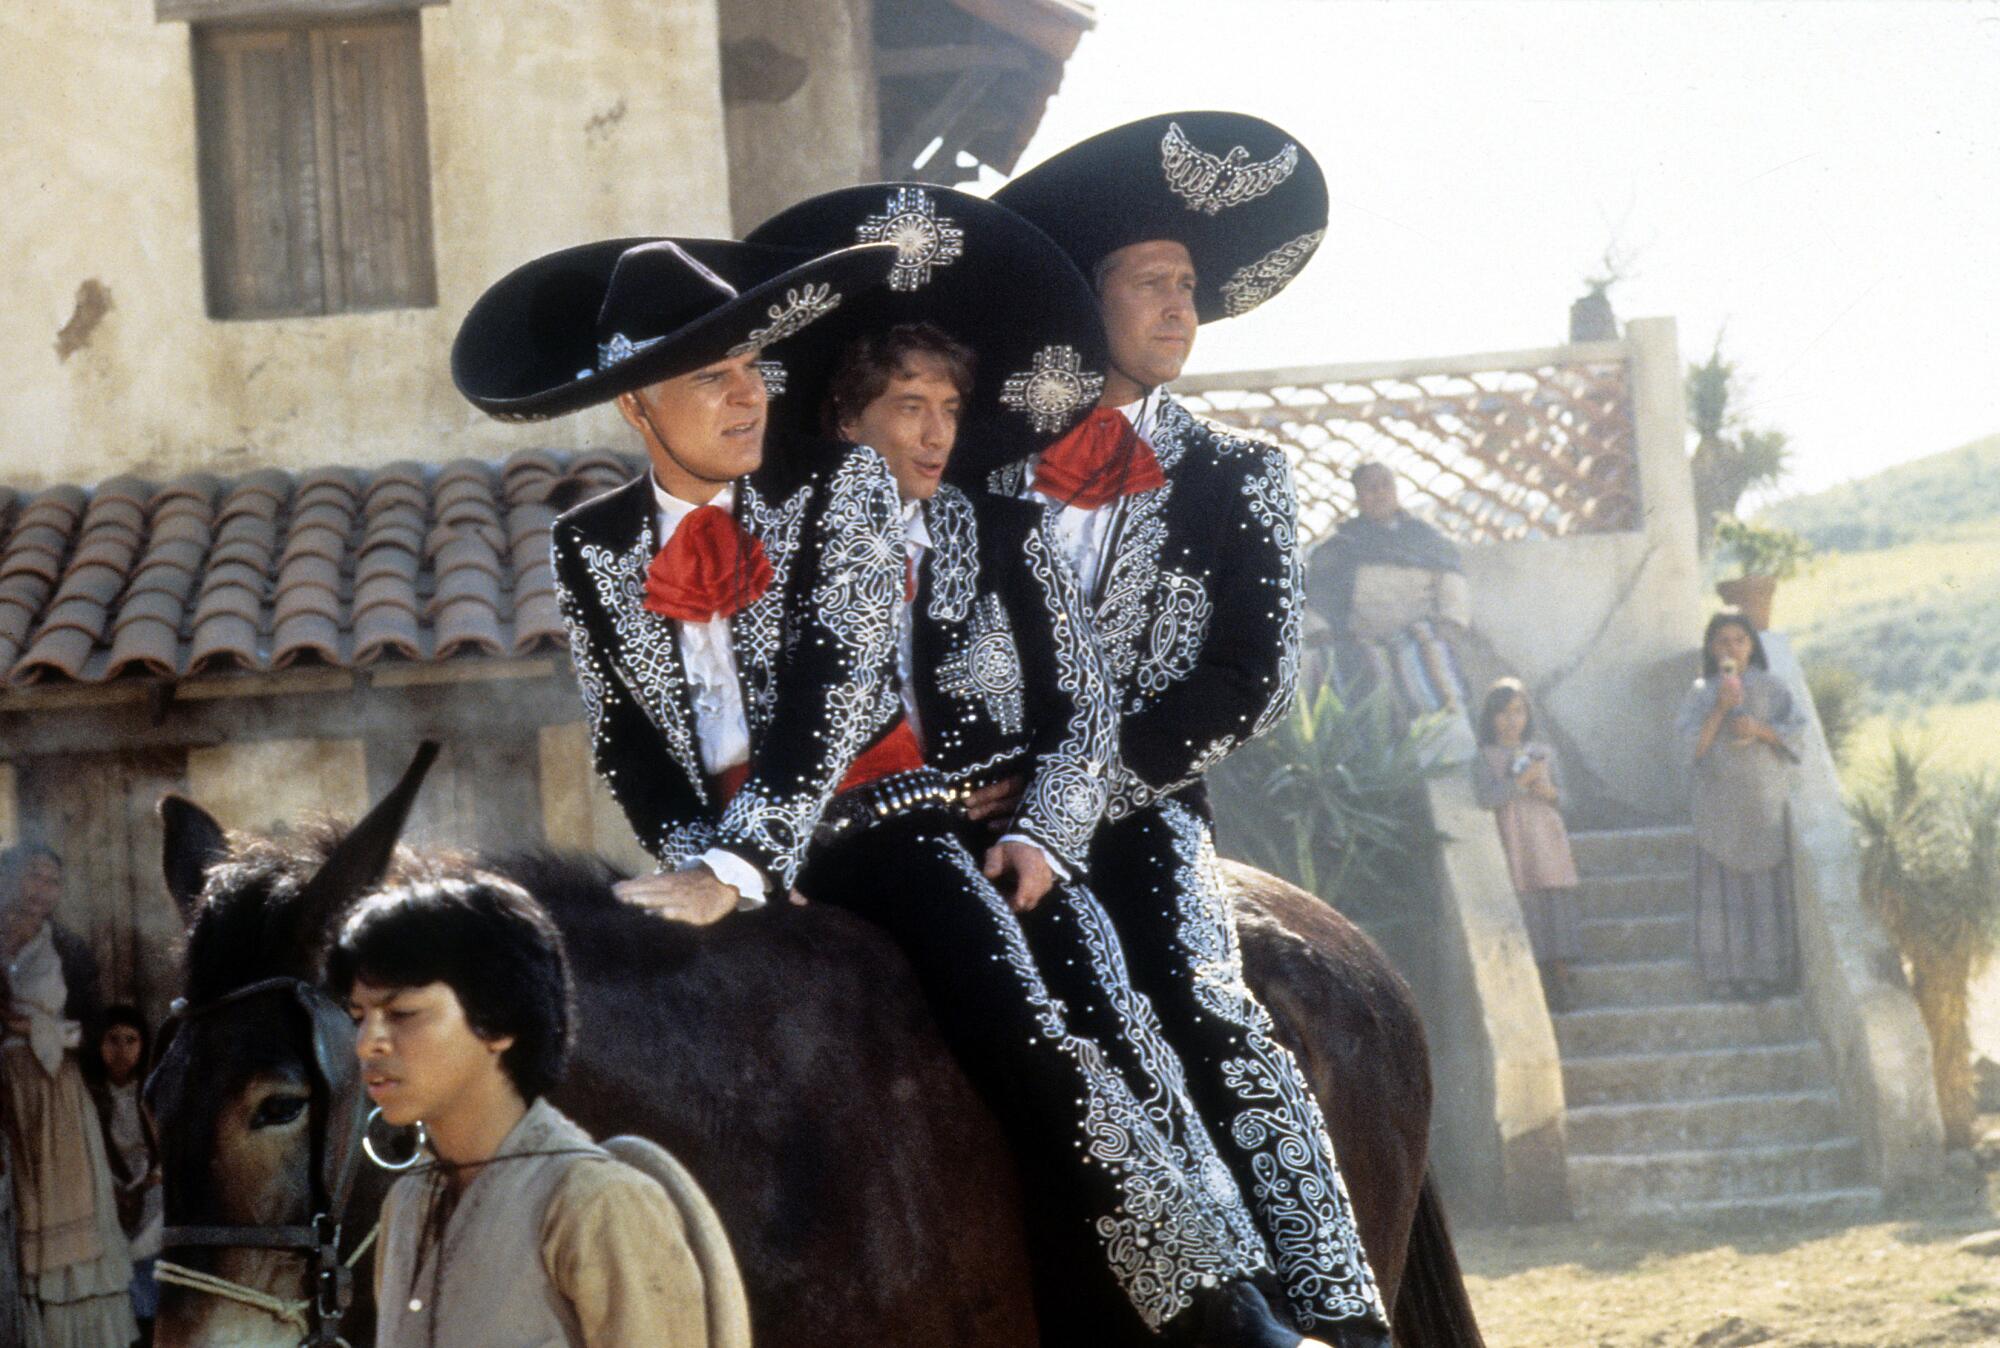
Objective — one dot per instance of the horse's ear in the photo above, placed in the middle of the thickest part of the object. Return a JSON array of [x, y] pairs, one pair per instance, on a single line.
[[360, 858], [193, 842]]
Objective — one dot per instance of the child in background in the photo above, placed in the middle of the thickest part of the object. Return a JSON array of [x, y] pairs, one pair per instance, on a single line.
[[1514, 776], [122, 1042]]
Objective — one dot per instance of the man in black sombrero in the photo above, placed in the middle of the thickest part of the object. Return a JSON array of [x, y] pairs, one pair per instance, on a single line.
[[1184, 540], [1004, 687], [741, 686]]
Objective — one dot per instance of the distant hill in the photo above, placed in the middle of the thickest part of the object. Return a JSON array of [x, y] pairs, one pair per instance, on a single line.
[[1906, 589], [1910, 501]]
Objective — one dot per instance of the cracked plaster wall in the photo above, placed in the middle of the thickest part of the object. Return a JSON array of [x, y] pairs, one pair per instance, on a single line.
[[549, 125]]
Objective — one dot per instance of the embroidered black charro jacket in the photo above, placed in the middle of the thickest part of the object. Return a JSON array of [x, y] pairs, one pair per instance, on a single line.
[[815, 655], [1196, 606], [1007, 676]]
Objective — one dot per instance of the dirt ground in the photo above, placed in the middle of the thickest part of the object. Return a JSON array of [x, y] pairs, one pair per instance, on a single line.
[[1895, 1283]]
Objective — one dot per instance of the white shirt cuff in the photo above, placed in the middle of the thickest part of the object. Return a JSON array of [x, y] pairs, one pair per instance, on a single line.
[[738, 874], [1062, 871]]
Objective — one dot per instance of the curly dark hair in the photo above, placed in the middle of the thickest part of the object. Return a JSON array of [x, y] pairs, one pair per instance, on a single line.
[[486, 939], [869, 363]]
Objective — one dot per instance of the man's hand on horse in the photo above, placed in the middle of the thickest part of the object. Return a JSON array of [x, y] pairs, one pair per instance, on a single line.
[[695, 895], [1029, 868], [997, 801]]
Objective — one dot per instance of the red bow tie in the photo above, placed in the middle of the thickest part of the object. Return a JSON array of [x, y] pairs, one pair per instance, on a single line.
[[1101, 460], [710, 568]]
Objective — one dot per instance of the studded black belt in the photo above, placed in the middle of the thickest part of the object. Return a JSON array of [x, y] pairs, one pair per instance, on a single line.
[[902, 795]]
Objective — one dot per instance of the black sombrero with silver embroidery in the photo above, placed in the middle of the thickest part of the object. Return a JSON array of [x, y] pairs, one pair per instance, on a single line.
[[988, 278], [1247, 200], [578, 327]]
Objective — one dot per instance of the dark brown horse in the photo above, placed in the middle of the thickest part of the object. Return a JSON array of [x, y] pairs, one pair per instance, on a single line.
[[786, 1057]]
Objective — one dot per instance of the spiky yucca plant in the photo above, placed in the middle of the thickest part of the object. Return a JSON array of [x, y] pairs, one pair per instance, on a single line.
[[1930, 866], [1331, 799]]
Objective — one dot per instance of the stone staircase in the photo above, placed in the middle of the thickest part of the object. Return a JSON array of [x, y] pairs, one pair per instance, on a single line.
[[1678, 1104]]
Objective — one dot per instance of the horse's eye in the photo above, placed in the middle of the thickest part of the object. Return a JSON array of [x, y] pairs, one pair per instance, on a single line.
[[277, 1110]]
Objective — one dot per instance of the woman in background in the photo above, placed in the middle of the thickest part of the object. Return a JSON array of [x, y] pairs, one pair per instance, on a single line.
[[75, 1267], [1514, 775], [1741, 732]]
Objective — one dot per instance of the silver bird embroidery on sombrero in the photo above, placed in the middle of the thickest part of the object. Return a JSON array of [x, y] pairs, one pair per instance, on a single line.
[[1054, 388], [1257, 282], [1212, 183], [924, 239]]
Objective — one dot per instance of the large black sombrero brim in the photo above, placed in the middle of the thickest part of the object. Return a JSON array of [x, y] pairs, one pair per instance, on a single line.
[[528, 348], [980, 272], [1247, 200]]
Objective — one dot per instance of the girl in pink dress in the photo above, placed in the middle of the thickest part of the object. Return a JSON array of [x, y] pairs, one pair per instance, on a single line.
[[1515, 776]]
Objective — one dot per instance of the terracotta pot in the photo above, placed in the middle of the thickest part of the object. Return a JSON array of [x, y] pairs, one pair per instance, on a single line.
[[1752, 594]]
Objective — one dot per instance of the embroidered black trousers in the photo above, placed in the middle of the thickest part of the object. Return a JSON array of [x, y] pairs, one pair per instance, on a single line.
[[1154, 871], [1160, 1225]]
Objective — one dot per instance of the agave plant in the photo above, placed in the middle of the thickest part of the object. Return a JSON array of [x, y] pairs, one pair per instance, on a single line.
[[1331, 799], [1930, 869]]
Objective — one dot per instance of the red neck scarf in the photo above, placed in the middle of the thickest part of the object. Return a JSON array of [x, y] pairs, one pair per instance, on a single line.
[[1098, 462], [710, 568]]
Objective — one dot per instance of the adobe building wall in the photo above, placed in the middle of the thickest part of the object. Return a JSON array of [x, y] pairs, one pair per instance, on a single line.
[[799, 101], [548, 125]]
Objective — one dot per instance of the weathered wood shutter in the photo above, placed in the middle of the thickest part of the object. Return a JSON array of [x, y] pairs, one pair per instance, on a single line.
[[100, 811], [315, 167]]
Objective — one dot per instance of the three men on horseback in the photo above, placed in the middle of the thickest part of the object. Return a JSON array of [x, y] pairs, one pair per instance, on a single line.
[[738, 668]]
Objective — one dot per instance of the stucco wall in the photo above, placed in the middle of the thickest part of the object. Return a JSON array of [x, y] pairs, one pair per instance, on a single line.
[[1598, 625], [549, 124], [265, 786], [822, 133]]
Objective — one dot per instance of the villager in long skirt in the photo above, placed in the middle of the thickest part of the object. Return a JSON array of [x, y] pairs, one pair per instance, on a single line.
[[75, 1265], [1742, 731]]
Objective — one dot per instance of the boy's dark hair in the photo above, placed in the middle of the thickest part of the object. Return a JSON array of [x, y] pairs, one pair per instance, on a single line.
[[1730, 617], [490, 943], [870, 362], [1498, 696]]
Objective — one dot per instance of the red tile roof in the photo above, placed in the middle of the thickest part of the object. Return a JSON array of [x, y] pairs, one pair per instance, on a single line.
[[335, 566]]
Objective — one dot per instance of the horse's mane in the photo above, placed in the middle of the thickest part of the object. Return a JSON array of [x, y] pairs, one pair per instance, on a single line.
[[243, 928]]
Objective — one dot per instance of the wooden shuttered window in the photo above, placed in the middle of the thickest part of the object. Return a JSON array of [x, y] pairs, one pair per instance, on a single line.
[[315, 167]]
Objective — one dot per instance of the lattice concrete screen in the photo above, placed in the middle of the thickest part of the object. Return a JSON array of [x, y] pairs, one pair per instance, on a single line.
[[1529, 444]]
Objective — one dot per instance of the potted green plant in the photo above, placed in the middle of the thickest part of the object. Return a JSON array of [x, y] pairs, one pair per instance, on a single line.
[[1764, 555]]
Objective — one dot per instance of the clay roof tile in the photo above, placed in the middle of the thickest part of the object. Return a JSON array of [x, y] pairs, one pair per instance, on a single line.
[[221, 641], [61, 652], [537, 622], [306, 636], [145, 646], [466, 627], [386, 630]]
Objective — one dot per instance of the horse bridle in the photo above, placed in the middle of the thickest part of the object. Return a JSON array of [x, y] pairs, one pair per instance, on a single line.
[[336, 1122]]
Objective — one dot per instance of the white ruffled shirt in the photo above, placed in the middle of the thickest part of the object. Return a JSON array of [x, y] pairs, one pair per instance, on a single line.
[[722, 731], [1085, 533]]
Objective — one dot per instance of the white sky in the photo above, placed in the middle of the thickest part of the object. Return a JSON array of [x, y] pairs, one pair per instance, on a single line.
[[1822, 178]]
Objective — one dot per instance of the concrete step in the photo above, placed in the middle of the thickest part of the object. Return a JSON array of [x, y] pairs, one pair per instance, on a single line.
[[1701, 1125], [1639, 1078], [1637, 938], [1619, 896], [1656, 851], [1622, 1185], [1635, 983], [1689, 1025], [1778, 1211]]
